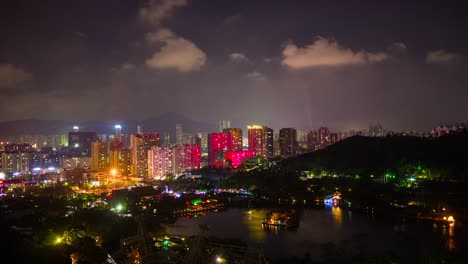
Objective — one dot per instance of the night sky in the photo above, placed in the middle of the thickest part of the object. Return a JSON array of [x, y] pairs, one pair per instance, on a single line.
[[304, 64]]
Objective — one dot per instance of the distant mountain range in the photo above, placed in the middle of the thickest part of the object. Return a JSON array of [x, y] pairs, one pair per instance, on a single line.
[[164, 123]]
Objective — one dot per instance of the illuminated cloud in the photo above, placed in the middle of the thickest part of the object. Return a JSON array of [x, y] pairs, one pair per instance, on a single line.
[[398, 48], [159, 36], [124, 67], [255, 75], [325, 53], [158, 10], [238, 57], [442, 57], [127, 66], [11, 75], [176, 53]]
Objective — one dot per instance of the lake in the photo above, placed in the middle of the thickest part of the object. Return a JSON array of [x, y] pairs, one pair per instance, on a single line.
[[331, 230]]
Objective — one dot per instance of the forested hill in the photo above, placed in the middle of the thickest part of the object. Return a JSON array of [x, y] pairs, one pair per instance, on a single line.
[[443, 157]]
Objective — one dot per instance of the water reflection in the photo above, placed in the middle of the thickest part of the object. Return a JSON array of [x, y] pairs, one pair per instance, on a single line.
[[253, 220], [337, 215], [451, 241], [320, 227], [447, 231]]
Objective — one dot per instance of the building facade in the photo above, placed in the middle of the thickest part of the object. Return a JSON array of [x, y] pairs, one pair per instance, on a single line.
[[139, 145], [236, 135], [288, 142], [176, 160], [218, 144], [261, 141], [100, 156], [236, 157], [79, 143], [224, 124]]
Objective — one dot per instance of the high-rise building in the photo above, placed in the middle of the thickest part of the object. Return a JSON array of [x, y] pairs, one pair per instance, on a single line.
[[236, 135], [118, 132], [324, 137], [104, 137], [125, 162], [375, 131], [179, 134], [115, 152], [16, 162], [14, 148], [99, 156], [190, 139], [302, 139], [164, 161], [186, 158], [224, 124], [288, 142], [160, 162], [80, 143], [203, 141], [75, 162], [38, 141], [140, 144], [48, 158], [218, 144], [313, 140], [261, 140], [276, 144], [334, 137], [166, 139]]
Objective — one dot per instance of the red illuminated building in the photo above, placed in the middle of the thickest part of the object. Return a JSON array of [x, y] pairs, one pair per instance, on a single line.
[[236, 157], [218, 144]]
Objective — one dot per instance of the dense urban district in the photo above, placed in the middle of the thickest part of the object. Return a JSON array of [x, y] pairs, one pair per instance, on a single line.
[[113, 197]]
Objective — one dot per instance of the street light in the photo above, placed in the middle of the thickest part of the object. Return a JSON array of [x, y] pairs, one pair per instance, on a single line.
[[113, 173], [58, 240]]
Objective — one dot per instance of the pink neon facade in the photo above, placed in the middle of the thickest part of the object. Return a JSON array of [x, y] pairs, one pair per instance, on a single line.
[[236, 157], [218, 144], [173, 160], [187, 157]]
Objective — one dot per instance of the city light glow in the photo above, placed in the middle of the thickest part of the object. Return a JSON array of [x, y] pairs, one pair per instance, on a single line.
[[58, 240]]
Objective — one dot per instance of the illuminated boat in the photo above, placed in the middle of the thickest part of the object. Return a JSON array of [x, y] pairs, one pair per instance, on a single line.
[[199, 206], [281, 219], [437, 217], [332, 199]]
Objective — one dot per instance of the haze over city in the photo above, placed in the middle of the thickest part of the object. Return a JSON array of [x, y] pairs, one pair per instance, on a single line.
[[299, 64]]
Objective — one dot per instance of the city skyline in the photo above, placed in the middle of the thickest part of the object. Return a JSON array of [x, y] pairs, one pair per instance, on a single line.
[[169, 128], [343, 66], [233, 131]]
